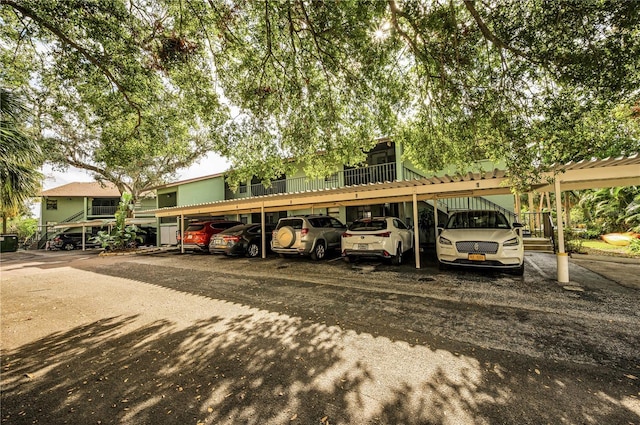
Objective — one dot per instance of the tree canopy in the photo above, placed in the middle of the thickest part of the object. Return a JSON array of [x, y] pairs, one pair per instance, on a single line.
[[133, 89]]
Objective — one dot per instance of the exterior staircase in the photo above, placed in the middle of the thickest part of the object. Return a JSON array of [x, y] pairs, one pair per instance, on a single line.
[[538, 245]]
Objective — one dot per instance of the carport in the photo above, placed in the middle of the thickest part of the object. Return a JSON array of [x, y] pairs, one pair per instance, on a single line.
[[101, 223], [622, 171]]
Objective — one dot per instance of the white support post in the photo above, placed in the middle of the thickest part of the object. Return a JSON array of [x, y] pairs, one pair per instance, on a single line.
[[181, 233], [563, 257], [416, 231], [84, 234], [517, 206], [263, 232]]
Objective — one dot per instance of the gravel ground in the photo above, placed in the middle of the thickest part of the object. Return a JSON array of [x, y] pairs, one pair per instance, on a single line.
[[174, 338]]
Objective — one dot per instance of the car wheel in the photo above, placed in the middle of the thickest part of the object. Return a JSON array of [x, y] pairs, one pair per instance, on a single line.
[[319, 251], [397, 260], [253, 250], [68, 246]]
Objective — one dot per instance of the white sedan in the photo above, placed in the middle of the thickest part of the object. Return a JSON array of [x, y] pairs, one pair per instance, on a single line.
[[378, 237], [481, 239]]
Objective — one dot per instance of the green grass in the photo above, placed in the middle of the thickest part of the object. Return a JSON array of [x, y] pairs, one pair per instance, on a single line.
[[599, 247]]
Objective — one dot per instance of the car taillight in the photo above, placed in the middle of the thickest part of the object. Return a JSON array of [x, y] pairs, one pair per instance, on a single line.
[[231, 238], [384, 235], [304, 232], [346, 235]]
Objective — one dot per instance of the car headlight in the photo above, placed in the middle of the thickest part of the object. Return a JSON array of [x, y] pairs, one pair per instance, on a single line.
[[512, 242], [444, 241]]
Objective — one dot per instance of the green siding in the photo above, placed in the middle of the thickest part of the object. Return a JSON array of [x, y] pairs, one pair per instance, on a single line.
[[66, 208], [202, 191]]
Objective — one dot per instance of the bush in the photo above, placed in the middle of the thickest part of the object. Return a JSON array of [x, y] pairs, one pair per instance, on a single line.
[[590, 234], [634, 246], [122, 236]]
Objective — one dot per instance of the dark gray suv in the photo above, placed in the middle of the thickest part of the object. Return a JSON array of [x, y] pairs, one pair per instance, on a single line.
[[311, 235]]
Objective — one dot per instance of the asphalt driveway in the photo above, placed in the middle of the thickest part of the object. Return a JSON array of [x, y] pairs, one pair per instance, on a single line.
[[192, 339]]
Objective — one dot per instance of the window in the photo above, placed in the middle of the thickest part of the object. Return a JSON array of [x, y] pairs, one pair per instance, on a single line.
[[399, 224], [52, 204], [335, 223]]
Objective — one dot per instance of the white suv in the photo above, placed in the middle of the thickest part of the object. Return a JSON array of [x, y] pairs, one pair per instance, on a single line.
[[378, 237], [309, 235], [481, 239]]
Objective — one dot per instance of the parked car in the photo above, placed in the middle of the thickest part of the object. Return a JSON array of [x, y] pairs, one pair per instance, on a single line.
[[69, 241], [481, 239], [198, 234], [378, 237], [311, 235], [244, 239]]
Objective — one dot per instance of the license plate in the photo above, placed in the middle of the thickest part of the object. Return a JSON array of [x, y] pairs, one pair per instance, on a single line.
[[218, 242], [363, 246], [477, 257]]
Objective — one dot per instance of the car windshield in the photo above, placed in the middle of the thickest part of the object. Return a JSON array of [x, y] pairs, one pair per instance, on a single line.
[[370, 225], [235, 230], [478, 220], [224, 225]]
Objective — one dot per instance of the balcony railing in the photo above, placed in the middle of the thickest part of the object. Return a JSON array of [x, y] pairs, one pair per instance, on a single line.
[[355, 176], [102, 210]]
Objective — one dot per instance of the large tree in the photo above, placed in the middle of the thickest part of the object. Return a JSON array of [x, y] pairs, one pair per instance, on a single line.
[[116, 87], [20, 157], [119, 84]]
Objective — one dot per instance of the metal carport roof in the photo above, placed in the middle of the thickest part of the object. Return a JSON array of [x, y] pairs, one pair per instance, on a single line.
[[595, 173]]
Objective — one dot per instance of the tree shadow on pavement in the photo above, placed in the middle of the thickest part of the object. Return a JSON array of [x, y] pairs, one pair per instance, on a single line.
[[277, 368]]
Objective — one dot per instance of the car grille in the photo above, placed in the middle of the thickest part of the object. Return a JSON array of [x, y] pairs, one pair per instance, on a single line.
[[477, 247]]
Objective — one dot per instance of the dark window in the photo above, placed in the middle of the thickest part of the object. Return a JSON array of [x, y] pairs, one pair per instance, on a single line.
[[52, 204], [195, 227], [296, 223]]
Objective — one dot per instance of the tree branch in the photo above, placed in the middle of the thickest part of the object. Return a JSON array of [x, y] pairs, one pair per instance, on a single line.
[[486, 32], [66, 40]]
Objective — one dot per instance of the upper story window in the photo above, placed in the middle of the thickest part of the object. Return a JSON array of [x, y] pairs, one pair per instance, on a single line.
[[52, 204], [242, 188]]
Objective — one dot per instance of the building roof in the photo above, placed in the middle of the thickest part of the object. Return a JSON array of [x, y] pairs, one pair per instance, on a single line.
[[81, 189], [192, 180]]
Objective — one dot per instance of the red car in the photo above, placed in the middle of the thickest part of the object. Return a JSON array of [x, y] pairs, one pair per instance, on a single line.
[[198, 235]]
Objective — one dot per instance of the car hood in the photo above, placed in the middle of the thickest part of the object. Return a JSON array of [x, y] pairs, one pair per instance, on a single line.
[[494, 235]]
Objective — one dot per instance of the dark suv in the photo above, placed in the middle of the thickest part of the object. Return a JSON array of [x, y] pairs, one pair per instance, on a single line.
[[69, 241], [309, 235]]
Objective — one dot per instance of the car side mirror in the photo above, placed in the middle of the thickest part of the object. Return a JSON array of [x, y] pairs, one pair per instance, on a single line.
[[518, 228], [440, 229]]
